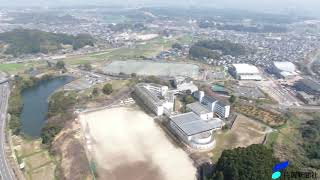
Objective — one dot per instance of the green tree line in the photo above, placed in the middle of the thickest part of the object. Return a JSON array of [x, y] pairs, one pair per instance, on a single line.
[[23, 41], [207, 48]]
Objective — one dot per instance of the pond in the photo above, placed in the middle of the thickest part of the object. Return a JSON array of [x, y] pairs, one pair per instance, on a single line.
[[35, 104]]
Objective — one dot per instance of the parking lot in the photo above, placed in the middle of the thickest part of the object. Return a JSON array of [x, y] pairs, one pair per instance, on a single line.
[[248, 92]]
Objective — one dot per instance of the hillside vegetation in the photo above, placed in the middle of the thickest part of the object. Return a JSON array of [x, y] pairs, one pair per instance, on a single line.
[[214, 48], [310, 132], [250, 163], [23, 41]]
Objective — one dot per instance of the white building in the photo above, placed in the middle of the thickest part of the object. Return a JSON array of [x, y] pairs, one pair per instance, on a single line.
[[155, 97], [156, 88], [217, 107], [221, 109], [182, 84], [200, 110], [284, 70], [245, 72], [194, 131]]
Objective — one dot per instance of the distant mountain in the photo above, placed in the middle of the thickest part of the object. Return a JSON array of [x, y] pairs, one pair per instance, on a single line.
[[22, 41], [43, 18]]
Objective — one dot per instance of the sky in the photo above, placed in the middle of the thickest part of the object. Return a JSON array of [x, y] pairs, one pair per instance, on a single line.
[[302, 6]]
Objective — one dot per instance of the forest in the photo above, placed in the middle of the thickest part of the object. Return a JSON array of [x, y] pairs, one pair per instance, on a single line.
[[23, 41]]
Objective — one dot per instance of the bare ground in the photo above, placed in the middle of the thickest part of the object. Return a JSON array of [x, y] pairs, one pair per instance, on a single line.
[[73, 163], [127, 144]]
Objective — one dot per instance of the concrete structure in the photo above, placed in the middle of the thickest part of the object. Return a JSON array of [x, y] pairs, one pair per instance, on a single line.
[[285, 70], [308, 99], [200, 110], [194, 128], [221, 109], [308, 86], [150, 93], [194, 131], [213, 105], [183, 84], [157, 89], [245, 72]]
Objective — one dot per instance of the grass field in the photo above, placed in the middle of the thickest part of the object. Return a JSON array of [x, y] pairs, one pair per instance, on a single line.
[[39, 164], [14, 67], [147, 49]]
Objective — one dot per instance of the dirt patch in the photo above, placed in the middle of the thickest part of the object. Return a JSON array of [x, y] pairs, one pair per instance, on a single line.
[[38, 163], [46, 172], [126, 143], [38, 159], [73, 163]]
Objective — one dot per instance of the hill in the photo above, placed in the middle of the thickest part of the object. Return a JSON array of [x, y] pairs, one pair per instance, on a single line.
[[211, 49], [23, 41], [250, 163]]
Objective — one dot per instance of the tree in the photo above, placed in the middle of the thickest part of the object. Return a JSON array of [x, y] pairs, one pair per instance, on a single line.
[[232, 99], [95, 91], [188, 92], [133, 75], [26, 41], [87, 67], [176, 46], [188, 99], [61, 102], [49, 132], [15, 125], [250, 163], [219, 176], [60, 65], [107, 89]]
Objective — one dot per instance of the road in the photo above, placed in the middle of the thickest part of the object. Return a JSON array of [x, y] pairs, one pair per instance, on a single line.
[[6, 172]]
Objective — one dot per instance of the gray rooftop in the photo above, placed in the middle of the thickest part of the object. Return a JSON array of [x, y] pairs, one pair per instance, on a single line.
[[192, 124], [210, 99], [314, 85], [198, 108], [222, 104], [148, 94]]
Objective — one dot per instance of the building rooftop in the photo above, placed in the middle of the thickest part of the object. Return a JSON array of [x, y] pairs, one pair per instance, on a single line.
[[246, 69], [148, 94], [192, 124], [198, 108], [223, 104], [285, 66], [312, 84], [253, 77], [210, 99]]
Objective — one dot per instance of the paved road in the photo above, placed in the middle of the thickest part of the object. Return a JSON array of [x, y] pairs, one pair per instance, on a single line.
[[5, 169]]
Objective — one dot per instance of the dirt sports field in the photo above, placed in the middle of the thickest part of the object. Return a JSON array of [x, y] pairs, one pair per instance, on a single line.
[[127, 144]]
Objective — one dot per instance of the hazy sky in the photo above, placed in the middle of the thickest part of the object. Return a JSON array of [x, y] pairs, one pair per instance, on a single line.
[[305, 6]]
